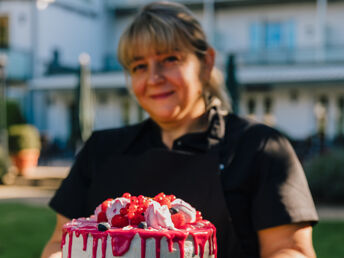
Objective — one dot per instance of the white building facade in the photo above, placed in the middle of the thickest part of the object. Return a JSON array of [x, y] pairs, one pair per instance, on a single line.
[[289, 55]]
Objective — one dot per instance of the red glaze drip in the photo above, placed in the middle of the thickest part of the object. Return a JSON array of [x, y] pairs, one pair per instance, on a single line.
[[85, 237], [63, 241], [104, 243], [201, 231], [70, 244], [180, 239], [200, 239], [121, 242], [95, 246], [143, 247]]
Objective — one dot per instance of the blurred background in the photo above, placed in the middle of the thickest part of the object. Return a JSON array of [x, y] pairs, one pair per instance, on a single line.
[[283, 63]]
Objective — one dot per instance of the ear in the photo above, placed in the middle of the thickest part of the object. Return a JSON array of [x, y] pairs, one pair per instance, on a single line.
[[209, 61]]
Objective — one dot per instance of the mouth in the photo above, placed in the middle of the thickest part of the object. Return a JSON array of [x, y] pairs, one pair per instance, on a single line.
[[162, 95]]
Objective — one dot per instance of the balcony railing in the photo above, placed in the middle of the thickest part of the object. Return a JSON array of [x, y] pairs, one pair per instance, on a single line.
[[326, 55], [18, 65]]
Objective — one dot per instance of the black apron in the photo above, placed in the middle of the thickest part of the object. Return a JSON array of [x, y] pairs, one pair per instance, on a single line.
[[193, 178]]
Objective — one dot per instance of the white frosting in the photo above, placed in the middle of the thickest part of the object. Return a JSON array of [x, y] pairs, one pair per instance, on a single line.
[[115, 206], [158, 216], [186, 209]]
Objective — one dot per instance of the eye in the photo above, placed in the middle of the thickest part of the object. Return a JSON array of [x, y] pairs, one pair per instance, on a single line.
[[171, 59], [138, 67]]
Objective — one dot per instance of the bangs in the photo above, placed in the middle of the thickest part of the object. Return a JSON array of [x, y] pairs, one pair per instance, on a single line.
[[149, 34]]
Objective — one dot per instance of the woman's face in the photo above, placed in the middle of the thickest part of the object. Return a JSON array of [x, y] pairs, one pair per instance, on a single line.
[[169, 86]]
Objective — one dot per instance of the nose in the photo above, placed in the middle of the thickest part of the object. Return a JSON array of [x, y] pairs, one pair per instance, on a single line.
[[155, 73]]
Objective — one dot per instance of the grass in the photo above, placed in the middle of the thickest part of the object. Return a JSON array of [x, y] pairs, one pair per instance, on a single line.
[[24, 230]]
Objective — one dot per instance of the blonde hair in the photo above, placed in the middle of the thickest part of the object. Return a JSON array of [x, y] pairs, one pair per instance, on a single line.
[[165, 27]]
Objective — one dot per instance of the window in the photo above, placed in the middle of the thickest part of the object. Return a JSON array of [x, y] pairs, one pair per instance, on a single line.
[[267, 105], [4, 34], [340, 122], [251, 106], [272, 35]]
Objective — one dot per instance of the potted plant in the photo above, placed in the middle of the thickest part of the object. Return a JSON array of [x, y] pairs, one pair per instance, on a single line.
[[24, 147]]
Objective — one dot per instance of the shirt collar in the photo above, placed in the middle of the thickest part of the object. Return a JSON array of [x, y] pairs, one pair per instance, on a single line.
[[197, 141]]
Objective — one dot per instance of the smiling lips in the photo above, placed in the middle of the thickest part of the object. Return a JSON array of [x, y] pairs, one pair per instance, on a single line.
[[162, 95]]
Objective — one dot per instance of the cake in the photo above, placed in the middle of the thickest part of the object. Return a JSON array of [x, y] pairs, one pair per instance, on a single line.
[[133, 227]]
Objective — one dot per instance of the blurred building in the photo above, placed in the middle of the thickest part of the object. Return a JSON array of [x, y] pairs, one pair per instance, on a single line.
[[290, 59]]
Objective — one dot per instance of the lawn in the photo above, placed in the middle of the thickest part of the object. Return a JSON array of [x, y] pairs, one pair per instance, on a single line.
[[25, 229]]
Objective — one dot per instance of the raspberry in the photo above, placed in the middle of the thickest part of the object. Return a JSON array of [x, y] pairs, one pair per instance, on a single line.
[[178, 220], [119, 221], [132, 208], [171, 197], [126, 195], [198, 216], [134, 200], [123, 211], [102, 217], [165, 201], [105, 204], [137, 220], [131, 215]]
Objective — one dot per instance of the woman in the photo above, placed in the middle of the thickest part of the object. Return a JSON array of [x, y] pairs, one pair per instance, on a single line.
[[244, 176]]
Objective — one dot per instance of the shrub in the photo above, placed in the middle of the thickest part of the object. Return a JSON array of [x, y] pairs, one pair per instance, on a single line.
[[4, 162], [14, 115], [325, 175], [22, 137]]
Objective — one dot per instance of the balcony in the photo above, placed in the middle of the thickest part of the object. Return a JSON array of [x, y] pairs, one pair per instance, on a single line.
[[130, 5], [19, 64], [328, 55]]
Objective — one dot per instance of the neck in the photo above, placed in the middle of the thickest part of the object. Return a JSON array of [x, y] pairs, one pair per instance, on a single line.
[[172, 131]]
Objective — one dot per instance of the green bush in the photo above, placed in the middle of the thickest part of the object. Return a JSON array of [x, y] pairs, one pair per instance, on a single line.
[[325, 175], [13, 113], [22, 137], [4, 162]]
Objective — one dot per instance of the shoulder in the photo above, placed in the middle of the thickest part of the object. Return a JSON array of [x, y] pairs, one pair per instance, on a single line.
[[244, 130], [115, 139]]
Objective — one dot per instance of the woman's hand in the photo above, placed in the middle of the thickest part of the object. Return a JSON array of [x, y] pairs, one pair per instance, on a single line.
[[287, 241], [53, 248]]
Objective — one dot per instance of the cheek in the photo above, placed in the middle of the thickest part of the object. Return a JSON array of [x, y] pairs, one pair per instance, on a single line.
[[137, 87]]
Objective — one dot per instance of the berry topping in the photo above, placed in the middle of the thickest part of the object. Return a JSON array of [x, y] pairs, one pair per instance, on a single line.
[[123, 211], [105, 204], [173, 211], [131, 215], [142, 225], [137, 220], [119, 221], [198, 215], [171, 197], [178, 220], [126, 195], [103, 226], [102, 217]]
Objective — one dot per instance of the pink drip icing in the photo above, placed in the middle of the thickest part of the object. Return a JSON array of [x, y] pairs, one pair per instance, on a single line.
[[170, 245], [202, 231], [95, 246], [200, 239], [64, 233], [157, 246], [85, 237], [121, 241], [143, 247], [104, 243], [70, 244], [180, 239]]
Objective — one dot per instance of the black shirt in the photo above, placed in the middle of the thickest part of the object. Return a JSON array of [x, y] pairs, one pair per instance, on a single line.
[[263, 182]]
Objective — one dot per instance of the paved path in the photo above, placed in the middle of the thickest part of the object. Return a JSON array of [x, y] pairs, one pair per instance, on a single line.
[[41, 196]]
